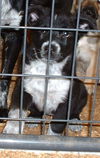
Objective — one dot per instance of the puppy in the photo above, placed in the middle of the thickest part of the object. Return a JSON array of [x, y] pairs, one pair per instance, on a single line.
[[55, 63], [87, 47], [12, 14]]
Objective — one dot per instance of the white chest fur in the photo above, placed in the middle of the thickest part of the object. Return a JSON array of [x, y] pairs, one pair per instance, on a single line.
[[57, 87], [9, 15]]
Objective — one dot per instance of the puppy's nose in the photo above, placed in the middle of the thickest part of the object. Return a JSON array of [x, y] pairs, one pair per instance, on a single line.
[[53, 49]]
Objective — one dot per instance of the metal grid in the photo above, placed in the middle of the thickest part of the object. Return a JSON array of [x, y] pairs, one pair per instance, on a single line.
[[44, 142]]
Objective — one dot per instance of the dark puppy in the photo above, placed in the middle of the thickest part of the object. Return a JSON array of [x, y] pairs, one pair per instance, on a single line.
[[11, 15], [59, 65]]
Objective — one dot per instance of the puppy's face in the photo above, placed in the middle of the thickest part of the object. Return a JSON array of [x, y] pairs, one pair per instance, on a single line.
[[58, 47], [61, 41]]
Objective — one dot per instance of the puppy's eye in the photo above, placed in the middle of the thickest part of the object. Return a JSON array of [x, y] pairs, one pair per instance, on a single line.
[[65, 35], [44, 32]]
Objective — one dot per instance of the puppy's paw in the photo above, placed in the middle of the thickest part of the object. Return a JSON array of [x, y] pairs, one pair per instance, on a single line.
[[32, 124], [76, 127], [3, 97], [51, 132], [12, 127]]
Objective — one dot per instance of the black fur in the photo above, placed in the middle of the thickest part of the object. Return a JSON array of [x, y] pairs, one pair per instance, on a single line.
[[45, 6]]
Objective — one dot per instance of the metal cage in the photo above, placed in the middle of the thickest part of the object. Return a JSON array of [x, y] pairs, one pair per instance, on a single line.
[[45, 142]]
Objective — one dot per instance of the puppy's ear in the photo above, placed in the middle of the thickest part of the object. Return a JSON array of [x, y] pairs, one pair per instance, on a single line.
[[35, 13], [33, 17]]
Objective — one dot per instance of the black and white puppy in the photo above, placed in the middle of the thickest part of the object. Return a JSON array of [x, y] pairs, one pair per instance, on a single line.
[[59, 65], [12, 14]]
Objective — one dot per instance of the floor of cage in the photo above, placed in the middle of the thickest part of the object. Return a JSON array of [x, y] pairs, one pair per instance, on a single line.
[[45, 154]]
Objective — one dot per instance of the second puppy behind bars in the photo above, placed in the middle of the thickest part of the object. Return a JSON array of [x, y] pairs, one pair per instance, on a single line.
[[51, 70], [87, 47]]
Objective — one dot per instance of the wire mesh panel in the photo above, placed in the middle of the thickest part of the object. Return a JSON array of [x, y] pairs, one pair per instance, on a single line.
[[46, 79]]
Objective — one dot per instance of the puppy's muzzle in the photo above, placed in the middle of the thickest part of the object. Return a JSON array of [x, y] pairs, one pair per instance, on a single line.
[[54, 49]]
